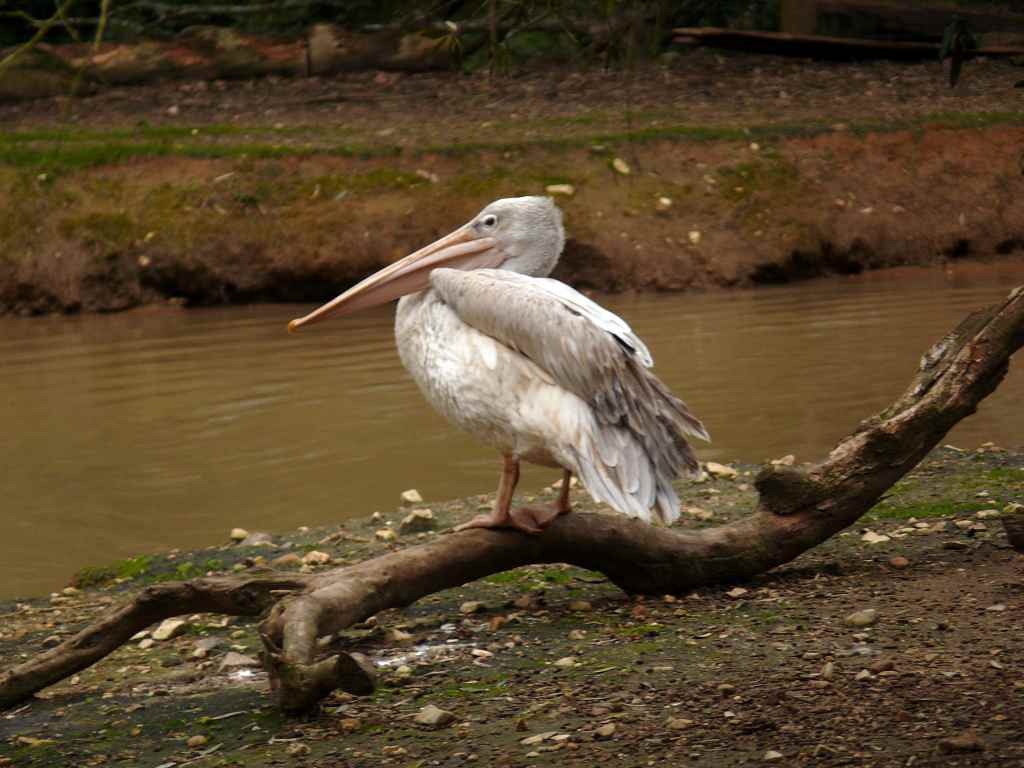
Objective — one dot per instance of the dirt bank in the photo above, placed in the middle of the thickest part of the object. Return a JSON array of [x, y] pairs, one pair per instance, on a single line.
[[553, 666], [140, 202]]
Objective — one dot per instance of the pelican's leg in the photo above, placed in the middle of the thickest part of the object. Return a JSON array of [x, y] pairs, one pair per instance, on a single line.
[[536, 519], [499, 517]]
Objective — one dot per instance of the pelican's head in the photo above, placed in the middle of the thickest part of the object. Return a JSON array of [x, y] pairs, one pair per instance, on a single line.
[[521, 234]]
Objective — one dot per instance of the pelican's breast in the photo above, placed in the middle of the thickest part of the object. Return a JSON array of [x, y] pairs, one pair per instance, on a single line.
[[475, 382]]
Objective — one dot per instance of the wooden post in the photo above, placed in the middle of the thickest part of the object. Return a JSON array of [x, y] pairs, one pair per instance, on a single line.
[[798, 17]]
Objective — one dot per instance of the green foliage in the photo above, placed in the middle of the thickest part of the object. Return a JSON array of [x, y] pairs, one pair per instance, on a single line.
[[131, 568]]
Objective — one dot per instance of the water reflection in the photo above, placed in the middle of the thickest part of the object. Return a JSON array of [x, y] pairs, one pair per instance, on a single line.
[[160, 428]]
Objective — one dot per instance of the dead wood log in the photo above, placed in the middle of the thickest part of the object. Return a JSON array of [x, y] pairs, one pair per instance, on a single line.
[[822, 47], [248, 595], [798, 508]]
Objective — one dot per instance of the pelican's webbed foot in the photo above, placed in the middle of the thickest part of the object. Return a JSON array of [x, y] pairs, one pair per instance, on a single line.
[[531, 520], [535, 519]]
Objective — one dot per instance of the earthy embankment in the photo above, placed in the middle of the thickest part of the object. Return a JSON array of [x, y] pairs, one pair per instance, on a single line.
[[895, 643], [741, 170]]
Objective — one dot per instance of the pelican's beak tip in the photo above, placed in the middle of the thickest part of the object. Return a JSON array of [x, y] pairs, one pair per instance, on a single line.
[[293, 326]]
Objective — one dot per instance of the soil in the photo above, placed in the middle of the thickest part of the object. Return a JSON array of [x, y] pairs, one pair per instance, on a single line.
[[554, 666], [742, 170]]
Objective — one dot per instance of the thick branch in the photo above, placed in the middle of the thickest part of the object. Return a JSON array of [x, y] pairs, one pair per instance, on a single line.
[[797, 509], [239, 596]]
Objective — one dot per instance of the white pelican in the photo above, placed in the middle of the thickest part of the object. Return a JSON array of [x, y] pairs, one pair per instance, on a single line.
[[531, 366]]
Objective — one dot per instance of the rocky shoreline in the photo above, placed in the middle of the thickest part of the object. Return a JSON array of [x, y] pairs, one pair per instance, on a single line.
[[892, 642]]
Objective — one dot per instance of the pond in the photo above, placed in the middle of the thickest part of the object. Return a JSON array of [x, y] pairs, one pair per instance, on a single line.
[[165, 428]]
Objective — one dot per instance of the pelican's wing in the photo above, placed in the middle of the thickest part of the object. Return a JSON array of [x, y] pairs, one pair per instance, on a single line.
[[593, 354]]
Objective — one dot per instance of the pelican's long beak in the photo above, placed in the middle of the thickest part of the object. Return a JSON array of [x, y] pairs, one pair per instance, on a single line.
[[462, 249]]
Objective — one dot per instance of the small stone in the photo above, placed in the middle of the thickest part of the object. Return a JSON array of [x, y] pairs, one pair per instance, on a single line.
[[786, 461], [568, 190], [146, 644], [196, 741], [862, 676], [699, 514], [472, 606], [997, 608], [984, 514], [257, 539], [434, 717], [663, 203], [288, 560], [956, 546], [537, 738], [418, 521], [71, 591], [51, 641], [580, 605], [720, 470], [234, 659], [828, 670], [298, 749], [316, 557], [621, 166], [963, 524], [410, 497], [386, 535], [727, 689], [174, 110], [399, 636], [771, 756], [577, 634], [678, 723], [870, 537], [605, 731], [30, 741], [350, 724], [737, 592], [881, 665], [863, 618], [205, 645], [965, 742], [239, 534], [430, 176], [169, 628], [899, 562], [566, 661], [694, 236]]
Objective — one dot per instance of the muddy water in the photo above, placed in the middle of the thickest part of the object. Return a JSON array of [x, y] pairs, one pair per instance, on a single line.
[[138, 432]]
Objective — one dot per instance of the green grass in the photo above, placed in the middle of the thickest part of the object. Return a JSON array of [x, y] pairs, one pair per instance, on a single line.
[[65, 150], [1004, 475], [122, 569], [894, 510]]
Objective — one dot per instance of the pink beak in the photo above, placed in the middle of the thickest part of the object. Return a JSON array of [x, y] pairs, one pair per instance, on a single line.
[[462, 249]]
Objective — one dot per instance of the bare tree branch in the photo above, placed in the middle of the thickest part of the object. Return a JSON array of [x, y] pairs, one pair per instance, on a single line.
[[797, 509], [8, 61]]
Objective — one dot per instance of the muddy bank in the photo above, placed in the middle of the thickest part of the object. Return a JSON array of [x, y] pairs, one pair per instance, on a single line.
[[892, 643], [222, 220]]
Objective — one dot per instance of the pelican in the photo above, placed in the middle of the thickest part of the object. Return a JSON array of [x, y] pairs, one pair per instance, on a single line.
[[532, 367]]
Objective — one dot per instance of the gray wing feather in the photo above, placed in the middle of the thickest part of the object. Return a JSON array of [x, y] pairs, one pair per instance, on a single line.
[[639, 446]]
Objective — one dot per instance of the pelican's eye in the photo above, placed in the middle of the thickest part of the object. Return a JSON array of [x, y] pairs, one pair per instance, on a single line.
[[489, 221]]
